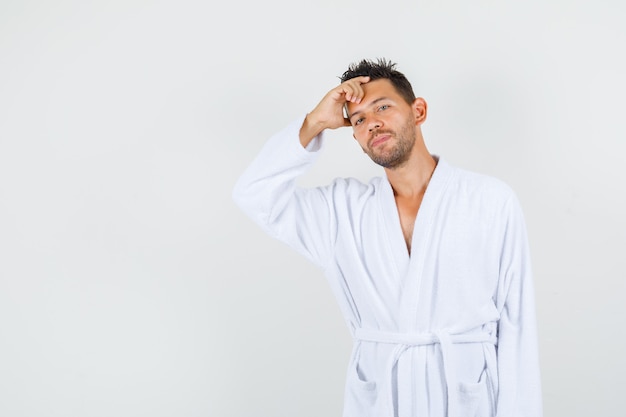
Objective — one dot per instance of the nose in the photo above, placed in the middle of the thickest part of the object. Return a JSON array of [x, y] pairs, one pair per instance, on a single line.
[[374, 124]]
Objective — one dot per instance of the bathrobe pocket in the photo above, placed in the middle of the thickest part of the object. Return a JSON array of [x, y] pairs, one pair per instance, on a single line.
[[361, 393], [475, 398]]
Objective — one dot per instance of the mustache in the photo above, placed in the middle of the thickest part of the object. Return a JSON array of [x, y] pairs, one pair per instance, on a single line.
[[378, 132]]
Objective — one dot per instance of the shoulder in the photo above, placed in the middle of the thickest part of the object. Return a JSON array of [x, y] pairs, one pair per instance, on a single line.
[[350, 187], [480, 185], [351, 195], [483, 194]]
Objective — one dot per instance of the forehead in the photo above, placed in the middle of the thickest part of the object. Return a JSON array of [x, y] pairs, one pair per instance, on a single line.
[[374, 90]]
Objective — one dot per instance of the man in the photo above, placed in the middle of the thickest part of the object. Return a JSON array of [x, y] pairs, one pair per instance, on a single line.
[[430, 263]]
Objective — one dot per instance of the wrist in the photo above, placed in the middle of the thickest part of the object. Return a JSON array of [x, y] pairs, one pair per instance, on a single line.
[[311, 127]]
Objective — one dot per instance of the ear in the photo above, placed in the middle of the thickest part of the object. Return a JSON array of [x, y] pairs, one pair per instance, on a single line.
[[420, 110]]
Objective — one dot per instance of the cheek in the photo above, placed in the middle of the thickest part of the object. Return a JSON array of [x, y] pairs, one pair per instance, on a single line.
[[359, 131], [359, 136]]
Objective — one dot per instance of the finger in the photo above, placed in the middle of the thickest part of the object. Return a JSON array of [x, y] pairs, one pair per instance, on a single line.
[[350, 91], [342, 93], [356, 93], [356, 84]]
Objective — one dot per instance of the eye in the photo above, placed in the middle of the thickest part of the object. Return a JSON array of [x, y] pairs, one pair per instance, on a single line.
[[358, 121], [383, 107]]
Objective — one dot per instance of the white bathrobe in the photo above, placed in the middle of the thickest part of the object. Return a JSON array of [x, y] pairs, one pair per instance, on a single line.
[[448, 330]]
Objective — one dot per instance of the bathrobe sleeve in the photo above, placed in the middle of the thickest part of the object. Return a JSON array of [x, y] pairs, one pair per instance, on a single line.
[[268, 194], [518, 360]]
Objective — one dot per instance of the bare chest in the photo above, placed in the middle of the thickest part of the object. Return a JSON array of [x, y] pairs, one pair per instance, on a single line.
[[407, 212]]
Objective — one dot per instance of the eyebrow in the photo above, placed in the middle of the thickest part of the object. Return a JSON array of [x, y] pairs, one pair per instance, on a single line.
[[369, 105]]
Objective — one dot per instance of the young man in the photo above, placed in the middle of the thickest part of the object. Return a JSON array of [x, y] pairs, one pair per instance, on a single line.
[[430, 263]]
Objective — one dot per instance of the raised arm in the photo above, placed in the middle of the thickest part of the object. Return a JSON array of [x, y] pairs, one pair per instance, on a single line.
[[267, 191]]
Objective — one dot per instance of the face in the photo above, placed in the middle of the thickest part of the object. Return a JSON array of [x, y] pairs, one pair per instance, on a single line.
[[384, 124]]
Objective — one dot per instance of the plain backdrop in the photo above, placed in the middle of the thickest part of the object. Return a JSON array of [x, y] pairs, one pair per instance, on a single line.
[[130, 284]]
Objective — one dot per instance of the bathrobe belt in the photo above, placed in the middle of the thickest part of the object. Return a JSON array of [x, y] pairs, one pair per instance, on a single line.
[[405, 341]]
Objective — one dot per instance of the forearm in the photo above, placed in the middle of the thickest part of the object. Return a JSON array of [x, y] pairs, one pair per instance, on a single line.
[[272, 173], [267, 193], [310, 129], [303, 218]]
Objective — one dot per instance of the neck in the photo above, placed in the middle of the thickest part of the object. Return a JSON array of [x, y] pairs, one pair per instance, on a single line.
[[411, 179]]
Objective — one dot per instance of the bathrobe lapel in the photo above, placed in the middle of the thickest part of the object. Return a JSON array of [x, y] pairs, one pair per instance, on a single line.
[[410, 267]]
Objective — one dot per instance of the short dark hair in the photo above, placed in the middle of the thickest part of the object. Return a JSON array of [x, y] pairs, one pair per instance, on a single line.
[[381, 68]]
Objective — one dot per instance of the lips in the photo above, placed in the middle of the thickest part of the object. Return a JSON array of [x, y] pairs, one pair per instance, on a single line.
[[380, 139]]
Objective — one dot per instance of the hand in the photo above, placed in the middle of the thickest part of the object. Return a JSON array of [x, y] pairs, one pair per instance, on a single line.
[[328, 114]]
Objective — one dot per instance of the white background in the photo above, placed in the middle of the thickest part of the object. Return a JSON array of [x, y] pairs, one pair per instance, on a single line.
[[130, 284]]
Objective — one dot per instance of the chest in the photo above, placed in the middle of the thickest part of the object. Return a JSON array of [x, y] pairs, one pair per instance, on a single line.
[[451, 271], [407, 213]]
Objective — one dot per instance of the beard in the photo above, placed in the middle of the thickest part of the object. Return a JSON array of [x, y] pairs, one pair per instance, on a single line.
[[393, 155]]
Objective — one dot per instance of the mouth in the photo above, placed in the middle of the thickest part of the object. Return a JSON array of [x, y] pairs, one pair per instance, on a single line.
[[378, 140]]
